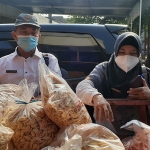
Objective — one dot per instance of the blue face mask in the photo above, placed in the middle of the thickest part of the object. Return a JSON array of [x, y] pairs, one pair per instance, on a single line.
[[27, 43]]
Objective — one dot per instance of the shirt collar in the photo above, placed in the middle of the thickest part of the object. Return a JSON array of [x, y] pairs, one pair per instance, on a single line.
[[37, 53], [14, 54]]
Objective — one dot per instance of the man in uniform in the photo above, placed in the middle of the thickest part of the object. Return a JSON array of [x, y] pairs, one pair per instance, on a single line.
[[23, 62]]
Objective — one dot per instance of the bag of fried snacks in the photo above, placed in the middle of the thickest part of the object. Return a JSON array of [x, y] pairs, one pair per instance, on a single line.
[[140, 141], [8, 94], [11, 146], [5, 137], [61, 104], [6, 99], [11, 89], [33, 130], [94, 137], [74, 143]]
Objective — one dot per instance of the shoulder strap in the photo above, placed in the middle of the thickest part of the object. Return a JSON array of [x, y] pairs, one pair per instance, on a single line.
[[46, 58], [144, 70]]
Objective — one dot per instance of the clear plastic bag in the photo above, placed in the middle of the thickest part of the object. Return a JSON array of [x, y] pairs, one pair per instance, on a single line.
[[33, 130], [61, 104], [141, 139], [11, 146], [8, 94], [75, 143], [5, 136], [94, 137]]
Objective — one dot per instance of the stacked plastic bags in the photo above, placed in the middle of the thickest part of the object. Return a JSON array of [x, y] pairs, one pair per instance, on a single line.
[[69, 113], [27, 123], [34, 124]]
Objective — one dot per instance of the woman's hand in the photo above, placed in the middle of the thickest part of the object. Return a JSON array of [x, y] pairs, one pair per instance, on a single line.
[[102, 108], [140, 93]]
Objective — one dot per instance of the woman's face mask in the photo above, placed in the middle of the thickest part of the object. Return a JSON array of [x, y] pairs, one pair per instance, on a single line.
[[126, 62], [27, 43]]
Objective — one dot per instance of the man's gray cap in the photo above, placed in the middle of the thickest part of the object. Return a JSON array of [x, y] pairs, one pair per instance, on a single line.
[[24, 19]]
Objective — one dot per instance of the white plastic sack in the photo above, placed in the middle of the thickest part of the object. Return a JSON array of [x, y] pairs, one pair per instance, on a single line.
[[142, 135], [75, 143], [94, 137]]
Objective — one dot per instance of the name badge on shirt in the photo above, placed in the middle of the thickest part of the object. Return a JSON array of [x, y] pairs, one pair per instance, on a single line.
[[11, 71]]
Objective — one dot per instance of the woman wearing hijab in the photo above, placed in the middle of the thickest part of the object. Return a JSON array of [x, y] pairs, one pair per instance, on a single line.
[[111, 80]]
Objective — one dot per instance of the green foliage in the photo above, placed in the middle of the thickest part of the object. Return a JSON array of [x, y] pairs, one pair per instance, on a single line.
[[135, 25], [146, 16], [95, 19]]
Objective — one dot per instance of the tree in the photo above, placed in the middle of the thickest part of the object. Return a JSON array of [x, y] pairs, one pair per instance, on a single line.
[[96, 19], [146, 30]]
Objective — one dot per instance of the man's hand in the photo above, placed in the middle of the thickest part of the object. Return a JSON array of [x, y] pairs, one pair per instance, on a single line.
[[102, 108], [140, 93]]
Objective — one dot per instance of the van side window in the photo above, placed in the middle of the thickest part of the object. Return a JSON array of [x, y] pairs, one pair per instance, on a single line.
[[74, 51]]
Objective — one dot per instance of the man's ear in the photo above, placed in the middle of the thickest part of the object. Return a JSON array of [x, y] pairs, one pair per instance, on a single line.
[[39, 35], [13, 33]]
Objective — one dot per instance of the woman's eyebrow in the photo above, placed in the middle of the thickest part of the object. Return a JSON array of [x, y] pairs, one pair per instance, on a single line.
[[121, 49], [132, 50]]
